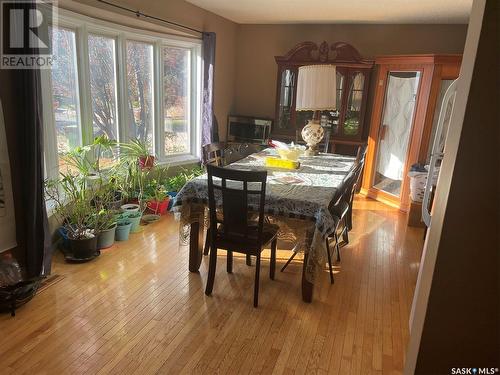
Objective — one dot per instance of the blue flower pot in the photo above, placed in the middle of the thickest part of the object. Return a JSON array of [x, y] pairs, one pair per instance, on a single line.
[[64, 235], [172, 195], [123, 230], [135, 219], [106, 238]]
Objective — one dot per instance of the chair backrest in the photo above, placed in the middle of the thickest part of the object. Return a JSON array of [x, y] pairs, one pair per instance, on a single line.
[[361, 154], [239, 194], [213, 153], [345, 190]]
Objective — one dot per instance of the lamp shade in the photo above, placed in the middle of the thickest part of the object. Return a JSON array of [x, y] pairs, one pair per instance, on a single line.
[[316, 88]]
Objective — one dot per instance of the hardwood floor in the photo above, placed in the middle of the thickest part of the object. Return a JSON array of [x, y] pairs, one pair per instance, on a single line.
[[136, 309]]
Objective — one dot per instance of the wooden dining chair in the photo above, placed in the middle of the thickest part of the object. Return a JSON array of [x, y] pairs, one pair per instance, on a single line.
[[217, 154], [231, 228], [360, 160], [338, 208], [213, 153]]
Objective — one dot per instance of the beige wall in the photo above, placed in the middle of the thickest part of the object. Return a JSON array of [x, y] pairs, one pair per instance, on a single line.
[[258, 44], [245, 77], [187, 14]]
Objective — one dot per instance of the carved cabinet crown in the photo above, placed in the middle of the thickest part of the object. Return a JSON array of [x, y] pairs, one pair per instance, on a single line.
[[336, 53]]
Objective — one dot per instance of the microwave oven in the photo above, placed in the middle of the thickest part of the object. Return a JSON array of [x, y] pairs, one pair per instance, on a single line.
[[248, 129]]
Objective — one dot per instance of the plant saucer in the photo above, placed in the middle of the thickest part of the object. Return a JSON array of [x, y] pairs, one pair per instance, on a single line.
[[68, 256], [150, 218]]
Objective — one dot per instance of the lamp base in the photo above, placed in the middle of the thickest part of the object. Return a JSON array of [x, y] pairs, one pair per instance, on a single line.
[[312, 134], [311, 150]]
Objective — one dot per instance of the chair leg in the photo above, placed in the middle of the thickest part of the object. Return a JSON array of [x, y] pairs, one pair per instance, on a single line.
[[229, 262], [329, 261], [349, 217], [288, 261], [272, 266], [211, 271], [337, 246], [249, 260], [206, 248], [256, 287], [345, 232]]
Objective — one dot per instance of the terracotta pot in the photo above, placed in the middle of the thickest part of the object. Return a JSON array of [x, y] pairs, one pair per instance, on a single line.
[[146, 162]]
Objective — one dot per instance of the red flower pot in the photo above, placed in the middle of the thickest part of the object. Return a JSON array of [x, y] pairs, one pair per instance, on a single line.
[[158, 208], [146, 162]]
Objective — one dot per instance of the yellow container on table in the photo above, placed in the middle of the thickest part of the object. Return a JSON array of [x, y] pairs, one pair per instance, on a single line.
[[275, 162]]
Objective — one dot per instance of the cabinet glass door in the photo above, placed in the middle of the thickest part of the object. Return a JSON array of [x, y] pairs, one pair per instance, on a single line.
[[288, 79], [354, 102], [394, 135]]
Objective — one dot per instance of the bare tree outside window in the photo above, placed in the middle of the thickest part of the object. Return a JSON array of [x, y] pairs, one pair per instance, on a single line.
[[176, 102], [65, 99], [140, 91], [103, 86]]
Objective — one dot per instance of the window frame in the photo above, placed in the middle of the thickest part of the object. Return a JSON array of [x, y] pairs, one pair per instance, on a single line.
[[83, 26]]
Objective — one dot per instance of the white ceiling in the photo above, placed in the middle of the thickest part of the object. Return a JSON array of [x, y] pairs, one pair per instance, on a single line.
[[339, 11]]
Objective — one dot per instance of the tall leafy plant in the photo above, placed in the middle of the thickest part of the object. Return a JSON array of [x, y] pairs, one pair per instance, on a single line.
[[87, 159], [73, 204]]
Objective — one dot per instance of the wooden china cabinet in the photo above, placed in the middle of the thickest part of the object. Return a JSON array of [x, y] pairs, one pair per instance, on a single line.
[[344, 125], [405, 111]]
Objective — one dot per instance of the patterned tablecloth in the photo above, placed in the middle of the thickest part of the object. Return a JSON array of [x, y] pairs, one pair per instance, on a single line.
[[295, 200]]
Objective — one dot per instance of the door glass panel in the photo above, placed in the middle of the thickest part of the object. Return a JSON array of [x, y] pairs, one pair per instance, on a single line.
[[394, 134], [353, 110], [286, 99], [444, 86]]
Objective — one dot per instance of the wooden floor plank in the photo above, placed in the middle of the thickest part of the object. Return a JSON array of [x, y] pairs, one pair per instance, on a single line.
[[136, 309]]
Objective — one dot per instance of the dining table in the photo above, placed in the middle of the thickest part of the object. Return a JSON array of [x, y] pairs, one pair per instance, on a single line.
[[297, 200]]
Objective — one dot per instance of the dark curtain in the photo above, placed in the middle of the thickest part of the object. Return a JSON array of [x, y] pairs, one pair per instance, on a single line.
[[210, 129], [25, 122], [34, 231]]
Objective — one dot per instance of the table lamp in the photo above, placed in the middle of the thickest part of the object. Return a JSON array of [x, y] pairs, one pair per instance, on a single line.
[[316, 91]]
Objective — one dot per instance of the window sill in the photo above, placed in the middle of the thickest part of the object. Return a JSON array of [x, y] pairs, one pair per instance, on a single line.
[[179, 160]]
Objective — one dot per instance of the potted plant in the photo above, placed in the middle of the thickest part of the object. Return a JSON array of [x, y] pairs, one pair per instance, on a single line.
[[73, 205], [156, 195], [103, 221], [158, 202], [123, 229], [87, 159], [137, 150], [175, 183], [106, 230]]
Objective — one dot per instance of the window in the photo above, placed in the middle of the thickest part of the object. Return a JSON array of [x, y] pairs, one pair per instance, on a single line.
[[140, 91], [123, 83], [103, 86], [177, 99], [65, 93]]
